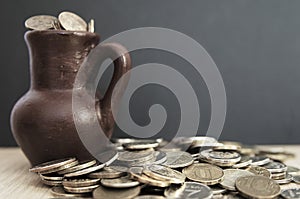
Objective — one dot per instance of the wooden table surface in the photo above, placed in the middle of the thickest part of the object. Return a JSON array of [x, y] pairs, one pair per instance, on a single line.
[[17, 182]]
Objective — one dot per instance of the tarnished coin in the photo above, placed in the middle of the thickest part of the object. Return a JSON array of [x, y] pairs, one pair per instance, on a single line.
[[291, 193], [107, 172], [80, 182], [51, 182], [111, 193], [51, 165], [80, 166], [40, 22], [71, 21], [161, 172], [136, 156], [230, 177], [137, 174], [257, 187], [260, 160], [244, 162], [88, 189], [288, 179], [178, 159], [260, 171], [121, 182], [91, 26], [189, 190], [60, 192], [85, 171], [141, 145], [205, 173], [276, 167], [296, 179]]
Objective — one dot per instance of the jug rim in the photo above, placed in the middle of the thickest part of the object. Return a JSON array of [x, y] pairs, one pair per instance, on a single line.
[[62, 32]]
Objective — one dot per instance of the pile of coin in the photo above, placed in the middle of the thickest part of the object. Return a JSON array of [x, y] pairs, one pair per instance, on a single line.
[[197, 167], [65, 21]]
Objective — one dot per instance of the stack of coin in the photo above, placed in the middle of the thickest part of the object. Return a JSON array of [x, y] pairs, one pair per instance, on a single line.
[[157, 169], [65, 21]]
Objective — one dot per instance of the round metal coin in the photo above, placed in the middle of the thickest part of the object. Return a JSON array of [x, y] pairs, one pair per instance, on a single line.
[[85, 171], [260, 160], [260, 171], [51, 165], [60, 192], [110, 193], [84, 182], [122, 182], [71, 21], [40, 22], [257, 187], [80, 166], [291, 193], [161, 172], [230, 177], [107, 172], [178, 159], [80, 189], [296, 179], [276, 167], [141, 145], [205, 173]]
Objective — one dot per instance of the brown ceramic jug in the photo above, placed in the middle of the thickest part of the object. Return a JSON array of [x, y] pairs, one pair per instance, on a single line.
[[42, 120]]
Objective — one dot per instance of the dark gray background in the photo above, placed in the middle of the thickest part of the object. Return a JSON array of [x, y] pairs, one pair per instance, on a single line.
[[255, 44]]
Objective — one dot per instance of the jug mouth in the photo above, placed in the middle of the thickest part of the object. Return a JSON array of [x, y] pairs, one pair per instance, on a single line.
[[62, 32]]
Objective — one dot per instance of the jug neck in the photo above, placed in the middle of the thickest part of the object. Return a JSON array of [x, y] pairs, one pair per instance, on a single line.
[[56, 56]]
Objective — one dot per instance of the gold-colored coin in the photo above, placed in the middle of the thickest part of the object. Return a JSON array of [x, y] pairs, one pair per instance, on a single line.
[[160, 172], [84, 182], [260, 171], [52, 182], [40, 22], [121, 182], [72, 22], [107, 173], [60, 192], [137, 174], [258, 187], [111, 193], [80, 166], [66, 166], [51, 165], [88, 189], [205, 173], [230, 176]]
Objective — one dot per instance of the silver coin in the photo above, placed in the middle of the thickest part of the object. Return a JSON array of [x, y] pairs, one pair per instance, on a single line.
[[223, 154], [291, 193], [107, 157], [66, 166], [141, 145], [91, 26], [109, 193], [296, 179], [85, 171], [53, 177], [293, 170], [288, 179], [231, 175], [107, 172], [88, 189], [72, 22], [60, 192], [122, 182], [189, 190], [40, 22], [52, 182], [136, 156], [244, 162], [217, 189], [260, 160], [178, 159], [276, 167]]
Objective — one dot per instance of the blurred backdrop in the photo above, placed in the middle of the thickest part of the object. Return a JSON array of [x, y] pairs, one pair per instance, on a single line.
[[255, 44]]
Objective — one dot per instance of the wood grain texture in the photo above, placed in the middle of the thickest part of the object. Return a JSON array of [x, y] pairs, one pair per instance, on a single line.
[[17, 182]]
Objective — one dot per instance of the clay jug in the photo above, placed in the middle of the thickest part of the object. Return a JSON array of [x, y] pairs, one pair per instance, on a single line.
[[42, 121]]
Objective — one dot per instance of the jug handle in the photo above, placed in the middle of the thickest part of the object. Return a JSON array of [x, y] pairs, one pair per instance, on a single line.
[[122, 64]]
